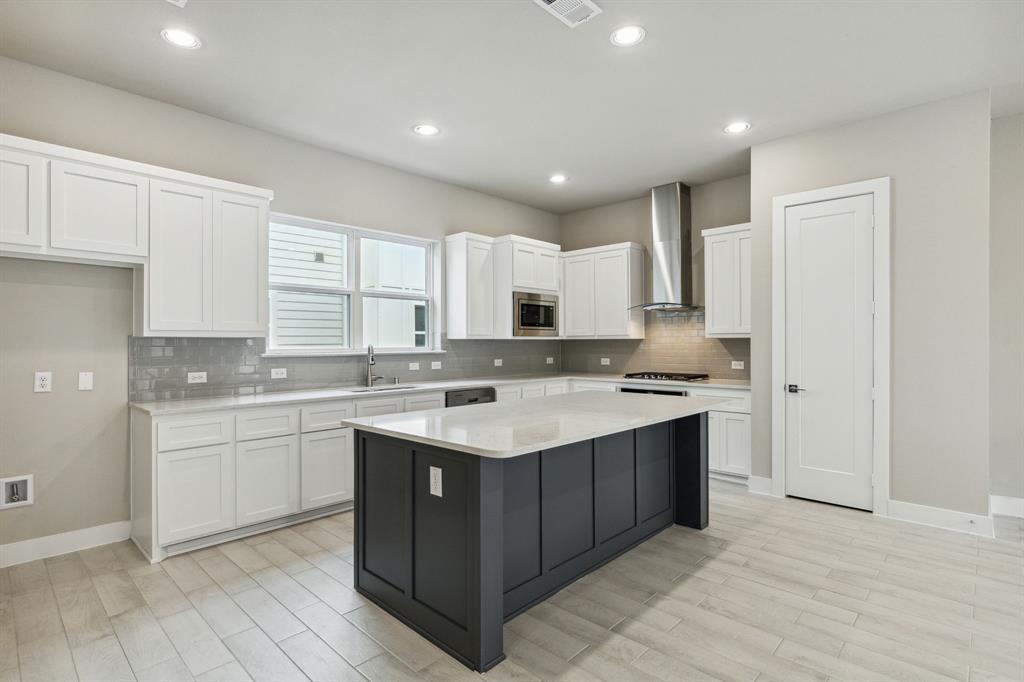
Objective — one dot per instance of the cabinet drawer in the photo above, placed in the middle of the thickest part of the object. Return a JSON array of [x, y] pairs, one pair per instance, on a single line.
[[593, 386], [324, 416], [194, 432], [424, 401], [266, 423], [739, 401], [503, 393], [556, 387], [372, 408], [533, 390]]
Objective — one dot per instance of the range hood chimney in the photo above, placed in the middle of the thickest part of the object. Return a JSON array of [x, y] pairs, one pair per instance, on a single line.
[[672, 284]]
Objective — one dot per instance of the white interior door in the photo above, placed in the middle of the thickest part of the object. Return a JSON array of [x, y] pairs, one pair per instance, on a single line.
[[829, 331]]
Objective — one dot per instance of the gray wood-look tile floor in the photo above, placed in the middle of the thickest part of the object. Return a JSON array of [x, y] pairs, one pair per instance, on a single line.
[[772, 590]]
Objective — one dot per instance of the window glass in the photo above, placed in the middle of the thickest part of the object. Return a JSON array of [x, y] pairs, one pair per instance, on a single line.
[[392, 267], [313, 321], [394, 322], [309, 257]]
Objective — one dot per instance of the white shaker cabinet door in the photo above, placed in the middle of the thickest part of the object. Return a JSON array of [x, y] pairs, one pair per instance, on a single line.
[[195, 492], [480, 289], [535, 390], [546, 269], [735, 454], [180, 271], [579, 296], [98, 209], [267, 472], [424, 401], [611, 286], [240, 243], [377, 406], [22, 199], [503, 393], [328, 461]]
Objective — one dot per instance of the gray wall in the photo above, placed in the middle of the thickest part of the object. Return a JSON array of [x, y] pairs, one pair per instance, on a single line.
[[1007, 319], [675, 341], [938, 158], [158, 367], [66, 319], [77, 445]]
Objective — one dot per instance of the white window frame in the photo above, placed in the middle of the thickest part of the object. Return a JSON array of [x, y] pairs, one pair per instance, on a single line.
[[353, 289]]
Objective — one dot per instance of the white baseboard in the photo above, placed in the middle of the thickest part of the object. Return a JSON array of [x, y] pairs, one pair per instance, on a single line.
[[937, 517], [1006, 506], [759, 485], [62, 543]]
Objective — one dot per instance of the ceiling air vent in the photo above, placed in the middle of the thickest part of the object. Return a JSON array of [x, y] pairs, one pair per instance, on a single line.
[[572, 13]]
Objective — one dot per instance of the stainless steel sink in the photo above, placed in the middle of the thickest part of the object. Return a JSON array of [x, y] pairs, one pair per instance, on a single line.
[[375, 389]]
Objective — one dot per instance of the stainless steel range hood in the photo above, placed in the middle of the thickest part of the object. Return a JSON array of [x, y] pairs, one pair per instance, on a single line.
[[672, 256]]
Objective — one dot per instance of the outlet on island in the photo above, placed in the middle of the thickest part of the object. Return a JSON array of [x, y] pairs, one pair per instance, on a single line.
[[197, 377]]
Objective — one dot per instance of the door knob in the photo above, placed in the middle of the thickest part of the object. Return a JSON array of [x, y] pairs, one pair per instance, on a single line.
[[793, 388]]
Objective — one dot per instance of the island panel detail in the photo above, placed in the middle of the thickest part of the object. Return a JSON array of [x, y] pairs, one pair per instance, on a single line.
[[504, 534]]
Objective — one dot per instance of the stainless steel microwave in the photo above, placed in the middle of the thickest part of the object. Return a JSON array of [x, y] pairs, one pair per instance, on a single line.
[[534, 314]]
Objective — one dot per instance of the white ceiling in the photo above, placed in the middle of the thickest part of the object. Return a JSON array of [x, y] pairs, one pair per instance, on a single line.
[[518, 95]]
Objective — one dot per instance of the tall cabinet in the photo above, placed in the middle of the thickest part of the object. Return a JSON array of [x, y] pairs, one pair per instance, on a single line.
[[727, 281], [603, 291]]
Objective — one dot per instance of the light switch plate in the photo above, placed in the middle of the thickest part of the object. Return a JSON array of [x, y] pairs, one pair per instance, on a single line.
[[549, 361], [435, 482], [197, 377], [43, 382], [498, 362], [606, 361], [738, 364], [85, 381], [279, 373], [413, 366], [436, 364]]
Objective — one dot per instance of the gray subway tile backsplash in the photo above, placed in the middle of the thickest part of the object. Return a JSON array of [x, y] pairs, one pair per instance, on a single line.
[[158, 367]]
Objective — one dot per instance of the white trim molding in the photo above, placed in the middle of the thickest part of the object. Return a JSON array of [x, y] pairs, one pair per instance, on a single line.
[[760, 485], [54, 545], [1003, 505], [937, 517], [880, 188]]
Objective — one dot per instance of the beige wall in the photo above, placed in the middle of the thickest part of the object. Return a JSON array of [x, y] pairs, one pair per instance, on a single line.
[[67, 319], [308, 181], [938, 158], [1007, 319]]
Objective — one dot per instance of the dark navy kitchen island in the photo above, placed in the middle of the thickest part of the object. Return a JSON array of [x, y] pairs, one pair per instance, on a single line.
[[467, 516]]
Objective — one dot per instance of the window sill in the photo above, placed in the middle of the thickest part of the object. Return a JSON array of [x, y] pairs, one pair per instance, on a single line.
[[345, 353]]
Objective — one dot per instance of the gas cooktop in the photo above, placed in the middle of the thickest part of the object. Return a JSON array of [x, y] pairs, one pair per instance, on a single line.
[[667, 376]]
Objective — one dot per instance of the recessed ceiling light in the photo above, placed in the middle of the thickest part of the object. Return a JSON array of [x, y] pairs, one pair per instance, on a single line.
[[558, 178], [180, 38], [426, 129], [736, 127], [628, 36]]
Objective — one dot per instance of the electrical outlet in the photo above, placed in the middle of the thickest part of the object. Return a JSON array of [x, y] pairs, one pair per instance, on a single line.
[[85, 381], [435, 482], [279, 373], [606, 361], [738, 364], [413, 366], [549, 361], [43, 382], [498, 362], [436, 364], [197, 377], [18, 491]]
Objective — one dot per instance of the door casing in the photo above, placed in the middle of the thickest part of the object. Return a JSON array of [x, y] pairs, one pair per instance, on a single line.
[[880, 188]]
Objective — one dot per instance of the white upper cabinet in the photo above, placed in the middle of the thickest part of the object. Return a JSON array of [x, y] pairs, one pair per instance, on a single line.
[[180, 272], [534, 264], [469, 286], [98, 209], [240, 243], [578, 304], [22, 199], [603, 289], [727, 281]]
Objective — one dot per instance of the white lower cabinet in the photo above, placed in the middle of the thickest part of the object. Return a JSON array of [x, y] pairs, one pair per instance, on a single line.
[[535, 390], [196, 492], [729, 443], [507, 392], [267, 479], [377, 406], [328, 467], [583, 385], [424, 401], [556, 387]]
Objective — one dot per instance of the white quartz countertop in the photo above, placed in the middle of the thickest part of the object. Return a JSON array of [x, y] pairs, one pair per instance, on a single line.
[[164, 407], [510, 429]]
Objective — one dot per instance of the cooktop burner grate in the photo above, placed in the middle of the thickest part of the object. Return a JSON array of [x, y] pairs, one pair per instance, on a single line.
[[667, 376]]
